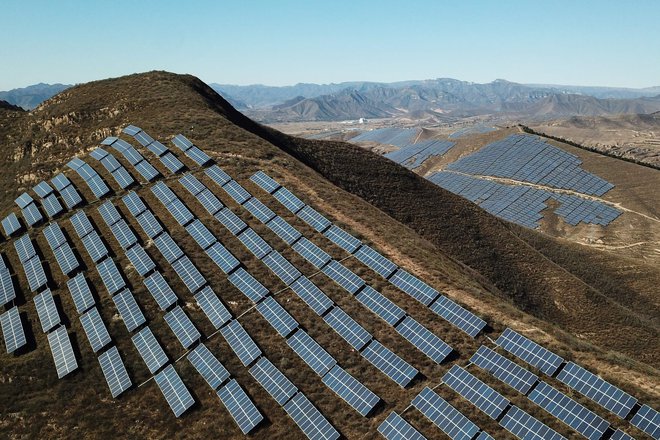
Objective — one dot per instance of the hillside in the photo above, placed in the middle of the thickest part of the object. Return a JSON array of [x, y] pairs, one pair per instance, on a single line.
[[511, 277]]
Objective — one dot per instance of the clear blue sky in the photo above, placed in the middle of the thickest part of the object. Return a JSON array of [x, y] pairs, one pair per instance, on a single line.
[[280, 42]]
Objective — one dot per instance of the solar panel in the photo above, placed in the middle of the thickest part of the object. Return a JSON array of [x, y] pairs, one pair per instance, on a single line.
[[230, 221], [312, 253], [176, 394], [112, 279], [52, 206], [236, 191], [7, 292], [35, 274], [75, 163], [311, 352], [123, 179], [163, 192], [131, 130], [375, 261], [524, 426], [575, 415], [254, 243], [218, 175], [240, 407], [290, 202], [63, 356], [81, 224], [161, 292], [264, 181], [241, 342], [444, 416], [182, 327], [529, 351], [505, 370], [54, 235], [60, 182], [620, 435], [209, 201], [180, 212], [309, 419], [394, 427], [380, 305], [150, 350], [42, 189], [66, 259], [313, 218], [171, 162], [168, 247], [24, 200], [142, 263], [281, 267], [389, 363], [284, 230], [11, 224], [32, 214], [147, 170], [97, 333], [423, 339], [48, 314], [222, 257], [414, 287], [277, 316], [98, 186], [182, 142], [143, 138], [648, 420], [71, 197], [114, 371], [192, 184], [80, 293], [476, 391], [346, 327], [109, 213], [94, 246], [458, 316], [208, 366], [159, 149], [129, 310], [343, 276], [134, 203], [198, 156], [149, 224], [189, 274], [342, 239], [200, 234], [123, 234], [24, 248], [273, 381], [212, 307], [351, 390], [260, 211], [600, 391], [12, 330], [312, 295]]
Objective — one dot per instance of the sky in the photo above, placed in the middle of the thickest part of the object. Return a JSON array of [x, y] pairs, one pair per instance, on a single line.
[[283, 42]]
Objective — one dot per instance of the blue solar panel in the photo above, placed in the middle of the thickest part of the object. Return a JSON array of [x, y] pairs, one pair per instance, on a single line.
[[273, 381], [160, 290], [134, 203], [60, 182], [254, 243], [81, 224], [236, 192], [352, 332], [458, 316], [163, 193], [63, 355], [177, 395], [200, 234], [180, 212], [42, 189], [230, 221], [189, 274], [192, 184], [142, 263], [54, 235], [24, 248], [380, 305], [311, 252], [32, 214], [171, 162], [97, 333], [198, 156], [7, 292], [264, 181], [208, 366], [182, 142], [648, 420], [375, 261], [65, 258], [394, 427], [35, 274], [414, 287], [525, 427], [342, 239], [284, 230], [12, 330], [312, 295], [159, 149], [475, 391], [218, 175], [168, 247], [444, 416], [290, 201], [389, 363], [311, 352], [182, 327], [129, 310], [71, 197], [114, 371], [52, 206], [505, 370], [123, 234], [343, 276], [11, 224], [260, 211], [149, 224], [423, 339], [94, 246], [309, 419], [112, 279], [149, 349], [277, 316], [313, 218], [351, 390], [529, 351], [222, 257], [248, 285], [281, 267], [240, 407], [109, 213], [24, 200], [209, 201], [212, 307], [49, 317], [241, 343], [620, 435]]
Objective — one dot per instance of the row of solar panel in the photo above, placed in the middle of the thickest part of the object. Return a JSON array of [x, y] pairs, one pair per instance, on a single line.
[[412, 156]]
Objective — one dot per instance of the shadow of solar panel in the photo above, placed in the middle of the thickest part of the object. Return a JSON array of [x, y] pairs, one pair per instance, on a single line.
[[476, 392], [71, 197], [389, 363], [12, 330], [114, 372], [414, 287], [277, 316], [342, 239], [54, 235], [309, 419], [222, 258], [444, 416], [94, 246], [209, 201], [264, 181], [423, 339], [240, 407], [81, 224], [149, 349], [63, 356], [236, 191], [97, 333], [343, 276], [212, 307], [600, 391], [218, 175], [375, 261], [168, 247], [230, 221], [161, 292], [189, 274], [648, 420], [503, 369], [311, 252], [66, 259], [319, 360], [273, 381], [80, 293], [380, 305], [284, 230], [529, 351], [463, 319], [208, 366], [290, 202], [134, 203], [123, 234], [201, 234], [180, 212], [35, 274], [32, 214], [163, 193], [110, 276], [254, 243], [182, 142], [192, 184], [129, 310], [11, 225], [7, 292], [182, 327], [142, 263], [359, 397], [281, 267], [524, 426], [394, 427], [198, 156], [312, 295], [313, 218], [347, 328], [169, 160], [52, 206], [241, 343], [176, 394], [575, 415]]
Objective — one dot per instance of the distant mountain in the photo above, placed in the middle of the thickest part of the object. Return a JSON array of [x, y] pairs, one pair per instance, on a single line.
[[31, 96], [604, 92], [4, 105]]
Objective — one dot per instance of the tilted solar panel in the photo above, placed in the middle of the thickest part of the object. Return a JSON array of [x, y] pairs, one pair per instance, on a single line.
[[168, 247], [71, 197], [236, 191], [524, 426], [81, 224], [309, 419], [109, 213], [95, 329], [42, 189], [343, 276], [458, 316], [284, 230], [375, 261], [264, 181], [414, 287], [52, 206], [314, 297], [222, 258], [163, 192], [182, 327], [290, 201], [241, 343], [198, 156], [94, 246], [32, 214], [444, 416], [240, 407], [7, 292], [311, 352], [182, 142], [620, 435], [49, 317], [529, 351], [260, 211], [171, 162], [212, 307], [54, 235], [134, 203], [80, 293], [346, 327], [389, 363], [142, 262], [218, 175], [505, 370], [11, 225], [158, 149], [112, 279], [208, 366], [648, 420], [423, 339], [273, 381], [60, 182], [12, 329], [24, 248], [351, 390], [129, 310], [277, 316], [200, 234], [394, 427], [35, 274], [476, 391], [281, 267], [149, 349], [151, 227], [180, 212], [209, 201], [123, 234], [176, 394], [313, 218], [161, 292], [63, 356], [189, 274], [192, 184], [66, 259], [342, 239], [380, 305], [230, 221], [311, 252], [114, 371]]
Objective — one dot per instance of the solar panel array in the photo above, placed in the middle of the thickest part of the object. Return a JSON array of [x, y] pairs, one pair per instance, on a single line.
[[399, 137], [444, 416], [476, 391], [394, 427], [63, 356], [61, 249], [95, 183], [114, 371], [141, 165], [175, 391], [11, 225], [112, 165], [529, 351], [67, 191], [505, 370], [472, 129], [413, 155], [524, 426]]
